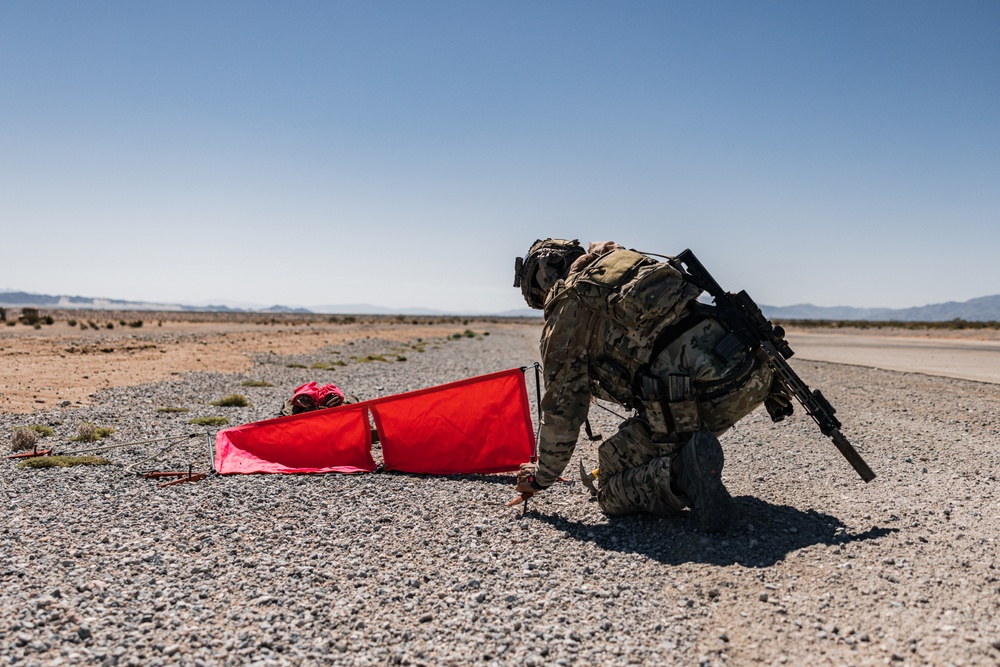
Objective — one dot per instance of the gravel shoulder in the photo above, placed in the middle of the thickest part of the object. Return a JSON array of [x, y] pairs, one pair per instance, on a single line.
[[98, 566]]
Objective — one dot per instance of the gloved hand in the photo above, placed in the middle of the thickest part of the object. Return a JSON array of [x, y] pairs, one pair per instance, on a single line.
[[525, 484], [778, 405], [524, 477]]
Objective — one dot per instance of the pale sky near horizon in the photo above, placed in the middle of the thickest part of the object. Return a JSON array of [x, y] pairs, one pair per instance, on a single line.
[[402, 153]]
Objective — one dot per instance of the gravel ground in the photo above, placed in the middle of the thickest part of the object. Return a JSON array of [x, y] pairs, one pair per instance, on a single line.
[[100, 566]]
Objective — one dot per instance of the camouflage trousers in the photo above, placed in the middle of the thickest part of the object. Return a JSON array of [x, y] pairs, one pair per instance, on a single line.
[[635, 473]]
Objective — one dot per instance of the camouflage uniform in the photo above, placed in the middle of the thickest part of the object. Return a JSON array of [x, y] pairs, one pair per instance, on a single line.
[[619, 317]]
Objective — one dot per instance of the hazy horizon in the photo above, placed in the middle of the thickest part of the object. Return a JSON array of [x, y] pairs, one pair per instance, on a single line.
[[320, 308]]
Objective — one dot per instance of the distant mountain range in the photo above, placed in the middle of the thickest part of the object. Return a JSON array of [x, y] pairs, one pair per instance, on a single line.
[[983, 309], [11, 299]]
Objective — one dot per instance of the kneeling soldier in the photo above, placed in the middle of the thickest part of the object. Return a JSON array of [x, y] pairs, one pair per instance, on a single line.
[[623, 327]]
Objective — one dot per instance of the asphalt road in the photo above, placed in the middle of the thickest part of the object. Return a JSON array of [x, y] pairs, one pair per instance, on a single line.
[[977, 360]]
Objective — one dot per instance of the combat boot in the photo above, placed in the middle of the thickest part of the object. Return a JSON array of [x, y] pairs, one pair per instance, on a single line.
[[700, 478]]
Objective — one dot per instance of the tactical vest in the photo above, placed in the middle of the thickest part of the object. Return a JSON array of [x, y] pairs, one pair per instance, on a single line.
[[646, 314], [637, 301]]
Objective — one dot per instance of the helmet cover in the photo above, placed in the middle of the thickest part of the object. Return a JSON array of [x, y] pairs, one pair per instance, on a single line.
[[546, 263]]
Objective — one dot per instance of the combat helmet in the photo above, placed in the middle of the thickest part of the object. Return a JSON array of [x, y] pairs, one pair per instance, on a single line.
[[546, 263]]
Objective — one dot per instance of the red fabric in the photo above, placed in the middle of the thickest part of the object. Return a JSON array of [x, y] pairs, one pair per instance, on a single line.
[[310, 389], [479, 425], [317, 393], [327, 389], [333, 440]]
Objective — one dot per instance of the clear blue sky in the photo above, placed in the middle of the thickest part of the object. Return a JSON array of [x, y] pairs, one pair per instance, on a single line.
[[402, 153]]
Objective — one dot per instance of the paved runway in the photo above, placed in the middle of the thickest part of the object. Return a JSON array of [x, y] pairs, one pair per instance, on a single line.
[[965, 359]]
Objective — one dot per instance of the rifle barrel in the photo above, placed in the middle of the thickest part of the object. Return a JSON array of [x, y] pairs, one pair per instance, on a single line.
[[852, 456]]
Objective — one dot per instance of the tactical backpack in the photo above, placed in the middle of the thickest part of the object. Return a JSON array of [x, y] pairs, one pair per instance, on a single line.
[[645, 306]]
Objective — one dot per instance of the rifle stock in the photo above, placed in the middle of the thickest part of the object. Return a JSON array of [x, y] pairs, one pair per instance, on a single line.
[[767, 341]]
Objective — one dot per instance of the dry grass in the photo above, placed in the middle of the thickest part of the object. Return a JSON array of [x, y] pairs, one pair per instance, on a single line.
[[23, 439], [62, 461], [87, 432], [231, 401], [209, 421], [370, 358]]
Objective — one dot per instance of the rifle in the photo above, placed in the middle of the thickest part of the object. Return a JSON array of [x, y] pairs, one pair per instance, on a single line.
[[767, 341]]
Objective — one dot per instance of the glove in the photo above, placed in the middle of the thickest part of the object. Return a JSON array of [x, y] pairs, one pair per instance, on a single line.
[[526, 480], [526, 484], [779, 406], [524, 474], [329, 396]]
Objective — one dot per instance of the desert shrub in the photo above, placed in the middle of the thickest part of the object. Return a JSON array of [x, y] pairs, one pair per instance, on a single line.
[[12, 323], [63, 461], [209, 421], [121, 322], [231, 401], [370, 357], [71, 322], [36, 325], [171, 409], [319, 365], [48, 320], [23, 439], [469, 333], [42, 430], [87, 432], [295, 366], [110, 325], [135, 324], [93, 325], [350, 319], [256, 383], [400, 357]]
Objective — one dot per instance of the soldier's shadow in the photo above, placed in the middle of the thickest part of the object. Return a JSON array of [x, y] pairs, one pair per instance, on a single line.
[[762, 535]]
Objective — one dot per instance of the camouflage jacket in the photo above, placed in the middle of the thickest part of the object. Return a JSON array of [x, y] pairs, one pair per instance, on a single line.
[[616, 313]]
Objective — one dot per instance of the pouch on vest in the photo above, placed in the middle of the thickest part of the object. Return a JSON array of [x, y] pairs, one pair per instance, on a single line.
[[654, 405], [671, 405], [682, 403]]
